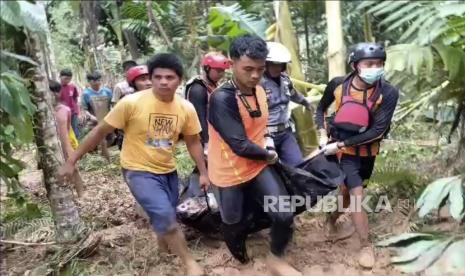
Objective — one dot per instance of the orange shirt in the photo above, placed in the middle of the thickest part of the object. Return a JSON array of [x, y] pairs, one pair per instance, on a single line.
[[225, 168]]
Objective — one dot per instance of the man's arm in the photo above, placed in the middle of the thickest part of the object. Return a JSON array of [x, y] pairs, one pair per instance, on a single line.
[[326, 101], [194, 146], [75, 93], [86, 107], [92, 140], [223, 115], [297, 97], [62, 122], [198, 96]]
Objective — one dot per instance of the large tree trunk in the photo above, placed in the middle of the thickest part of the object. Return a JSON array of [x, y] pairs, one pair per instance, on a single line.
[[336, 48], [90, 12], [51, 156]]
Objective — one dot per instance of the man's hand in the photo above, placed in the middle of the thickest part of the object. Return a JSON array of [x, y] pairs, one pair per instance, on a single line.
[[66, 171], [322, 138], [331, 149], [272, 157], [204, 182]]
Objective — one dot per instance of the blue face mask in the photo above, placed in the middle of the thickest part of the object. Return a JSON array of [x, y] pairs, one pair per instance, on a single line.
[[371, 75]]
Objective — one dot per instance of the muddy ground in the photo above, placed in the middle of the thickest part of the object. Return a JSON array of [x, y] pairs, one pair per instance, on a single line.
[[128, 246]]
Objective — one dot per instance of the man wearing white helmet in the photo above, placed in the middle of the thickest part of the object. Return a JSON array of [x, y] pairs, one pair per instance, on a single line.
[[280, 91]]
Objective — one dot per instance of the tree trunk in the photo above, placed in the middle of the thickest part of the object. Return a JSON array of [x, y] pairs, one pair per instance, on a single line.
[[51, 157], [90, 12], [336, 48], [154, 22], [132, 43]]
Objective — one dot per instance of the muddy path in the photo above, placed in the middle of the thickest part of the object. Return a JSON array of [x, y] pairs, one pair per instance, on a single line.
[[129, 247]]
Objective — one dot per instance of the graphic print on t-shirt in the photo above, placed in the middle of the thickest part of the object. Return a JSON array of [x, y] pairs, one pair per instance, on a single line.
[[161, 130], [100, 105]]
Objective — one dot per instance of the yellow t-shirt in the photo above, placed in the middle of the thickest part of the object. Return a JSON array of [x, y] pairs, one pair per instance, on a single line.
[[151, 130]]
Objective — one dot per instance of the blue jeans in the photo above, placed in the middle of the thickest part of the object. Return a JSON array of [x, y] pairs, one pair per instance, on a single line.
[[75, 125], [157, 194], [287, 147]]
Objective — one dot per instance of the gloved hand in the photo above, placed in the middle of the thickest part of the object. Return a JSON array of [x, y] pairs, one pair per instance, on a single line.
[[331, 149], [269, 143], [272, 157], [322, 138]]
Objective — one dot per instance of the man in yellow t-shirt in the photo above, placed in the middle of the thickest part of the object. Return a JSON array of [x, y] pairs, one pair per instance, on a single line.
[[152, 121]]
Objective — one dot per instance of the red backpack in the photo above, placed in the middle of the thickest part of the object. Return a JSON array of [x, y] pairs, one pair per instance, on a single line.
[[354, 116]]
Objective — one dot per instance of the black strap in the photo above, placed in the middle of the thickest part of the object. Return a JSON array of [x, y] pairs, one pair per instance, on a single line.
[[369, 153], [244, 99], [206, 199]]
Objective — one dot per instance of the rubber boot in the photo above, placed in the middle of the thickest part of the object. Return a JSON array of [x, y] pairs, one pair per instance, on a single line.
[[177, 244], [235, 236]]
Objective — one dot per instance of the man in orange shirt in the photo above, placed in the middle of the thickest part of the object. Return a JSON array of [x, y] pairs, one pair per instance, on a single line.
[[238, 159]]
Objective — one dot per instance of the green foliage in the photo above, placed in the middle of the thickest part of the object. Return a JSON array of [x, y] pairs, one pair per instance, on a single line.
[[433, 197], [228, 22], [24, 14], [422, 22], [66, 36], [17, 18], [184, 163], [416, 252], [437, 252]]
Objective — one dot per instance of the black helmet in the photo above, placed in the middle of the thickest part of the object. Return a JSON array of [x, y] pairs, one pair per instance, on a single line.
[[366, 50]]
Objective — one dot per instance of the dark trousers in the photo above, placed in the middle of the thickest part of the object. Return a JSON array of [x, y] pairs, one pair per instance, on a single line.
[[287, 147], [232, 201]]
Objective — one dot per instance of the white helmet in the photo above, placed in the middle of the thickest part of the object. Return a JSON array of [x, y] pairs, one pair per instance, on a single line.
[[278, 53]]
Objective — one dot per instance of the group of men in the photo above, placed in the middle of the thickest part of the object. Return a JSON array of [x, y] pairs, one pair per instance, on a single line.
[[243, 127]]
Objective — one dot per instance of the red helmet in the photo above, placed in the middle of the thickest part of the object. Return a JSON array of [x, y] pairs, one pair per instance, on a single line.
[[215, 60], [135, 72]]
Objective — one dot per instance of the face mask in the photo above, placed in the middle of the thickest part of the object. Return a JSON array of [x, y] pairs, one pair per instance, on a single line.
[[371, 75]]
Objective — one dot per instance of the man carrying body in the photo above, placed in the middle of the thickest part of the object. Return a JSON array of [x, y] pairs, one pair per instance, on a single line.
[[152, 121], [280, 91], [199, 89], [96, 101], [69, 95], [237, 158], [364, 104]]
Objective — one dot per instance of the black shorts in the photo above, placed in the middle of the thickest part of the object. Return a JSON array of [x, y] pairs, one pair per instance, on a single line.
[[356, 168]]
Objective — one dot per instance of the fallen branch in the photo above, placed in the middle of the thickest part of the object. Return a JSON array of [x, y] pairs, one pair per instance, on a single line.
[[26, 243]]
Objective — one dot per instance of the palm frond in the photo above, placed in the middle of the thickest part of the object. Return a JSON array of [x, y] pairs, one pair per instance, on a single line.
[[422, 21]]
